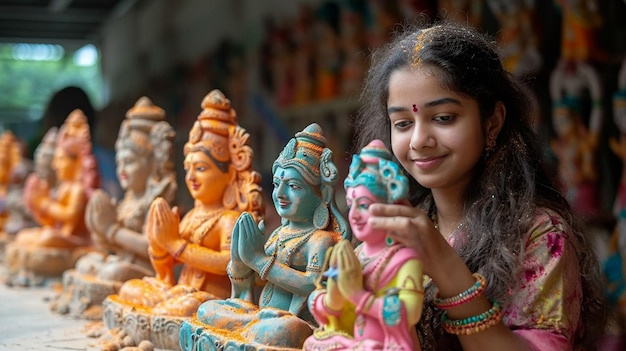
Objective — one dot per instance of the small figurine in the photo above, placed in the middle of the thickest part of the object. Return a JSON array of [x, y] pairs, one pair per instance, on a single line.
[[145, 171], [14, 168], [615, 263], [577, 141], [516, 37], [48, 250], [303, 56], [290, 261], [372, 296], [353, 44], [580, 19], [618, 146], [466, 11], [381, 17], [327, 52], [220, 178]]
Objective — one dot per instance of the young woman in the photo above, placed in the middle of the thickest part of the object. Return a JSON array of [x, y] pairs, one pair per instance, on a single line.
[[508, 268]]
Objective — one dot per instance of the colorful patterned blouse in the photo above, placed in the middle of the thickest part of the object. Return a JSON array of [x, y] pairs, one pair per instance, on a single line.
[[545, 307]]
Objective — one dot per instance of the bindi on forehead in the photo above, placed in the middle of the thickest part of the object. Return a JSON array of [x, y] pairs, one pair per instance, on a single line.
[[415, 109]]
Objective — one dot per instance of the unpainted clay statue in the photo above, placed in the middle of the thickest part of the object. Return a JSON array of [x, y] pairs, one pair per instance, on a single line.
[[62, 237], [220, 178], [145, 169], [289, 262], [372, 296]]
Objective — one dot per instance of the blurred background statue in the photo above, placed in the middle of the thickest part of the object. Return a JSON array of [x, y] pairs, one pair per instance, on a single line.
[[62, 237], [14, 168], [145, 170]]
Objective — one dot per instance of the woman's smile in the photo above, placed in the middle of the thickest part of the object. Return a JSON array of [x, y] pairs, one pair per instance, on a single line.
[[428, 163]]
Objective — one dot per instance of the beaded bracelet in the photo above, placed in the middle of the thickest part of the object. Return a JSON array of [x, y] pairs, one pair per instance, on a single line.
[[464, 297], [473, 324], [235, 278]]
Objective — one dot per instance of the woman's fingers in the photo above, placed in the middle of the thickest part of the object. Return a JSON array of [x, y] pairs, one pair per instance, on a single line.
[[393, 210]]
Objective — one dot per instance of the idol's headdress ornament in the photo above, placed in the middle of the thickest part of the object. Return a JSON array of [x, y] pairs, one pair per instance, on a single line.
[[306, 152], [374, 169]]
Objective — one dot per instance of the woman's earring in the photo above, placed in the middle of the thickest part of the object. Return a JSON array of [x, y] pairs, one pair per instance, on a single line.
[[491, 144]]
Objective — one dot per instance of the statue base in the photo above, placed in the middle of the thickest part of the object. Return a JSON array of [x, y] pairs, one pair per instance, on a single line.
[[83, 295], [235, 324], [139, 324], [197, 336], [32, 266]]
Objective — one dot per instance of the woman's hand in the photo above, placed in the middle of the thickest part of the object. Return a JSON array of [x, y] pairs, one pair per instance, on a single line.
[[413, 228]]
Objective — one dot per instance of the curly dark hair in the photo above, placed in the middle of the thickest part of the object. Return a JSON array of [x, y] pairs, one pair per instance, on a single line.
[[508, 186]]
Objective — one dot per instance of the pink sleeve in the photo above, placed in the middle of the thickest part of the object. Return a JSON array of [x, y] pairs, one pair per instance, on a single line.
[[544, 340]]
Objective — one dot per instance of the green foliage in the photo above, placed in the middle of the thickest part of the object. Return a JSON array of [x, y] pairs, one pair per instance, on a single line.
[[27, 85]]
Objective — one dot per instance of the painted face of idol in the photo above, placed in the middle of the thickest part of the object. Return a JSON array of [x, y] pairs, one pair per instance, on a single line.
[[132, 169], [359, 199], [293, 198], [205, 181]]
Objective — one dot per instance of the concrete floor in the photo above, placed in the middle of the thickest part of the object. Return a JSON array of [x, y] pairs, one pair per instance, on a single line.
[[26, 322]]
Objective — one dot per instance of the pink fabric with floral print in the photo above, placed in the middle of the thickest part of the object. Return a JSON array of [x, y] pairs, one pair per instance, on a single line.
[[545, 308]]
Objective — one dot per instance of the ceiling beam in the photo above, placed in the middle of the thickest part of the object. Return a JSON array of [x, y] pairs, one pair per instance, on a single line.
[[33, 13]]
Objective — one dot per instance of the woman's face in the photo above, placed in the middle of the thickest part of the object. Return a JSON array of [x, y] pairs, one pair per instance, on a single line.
[[293, 198], [359, 199], [65, 166], [133, 169], [436, 134], [206, 182]]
